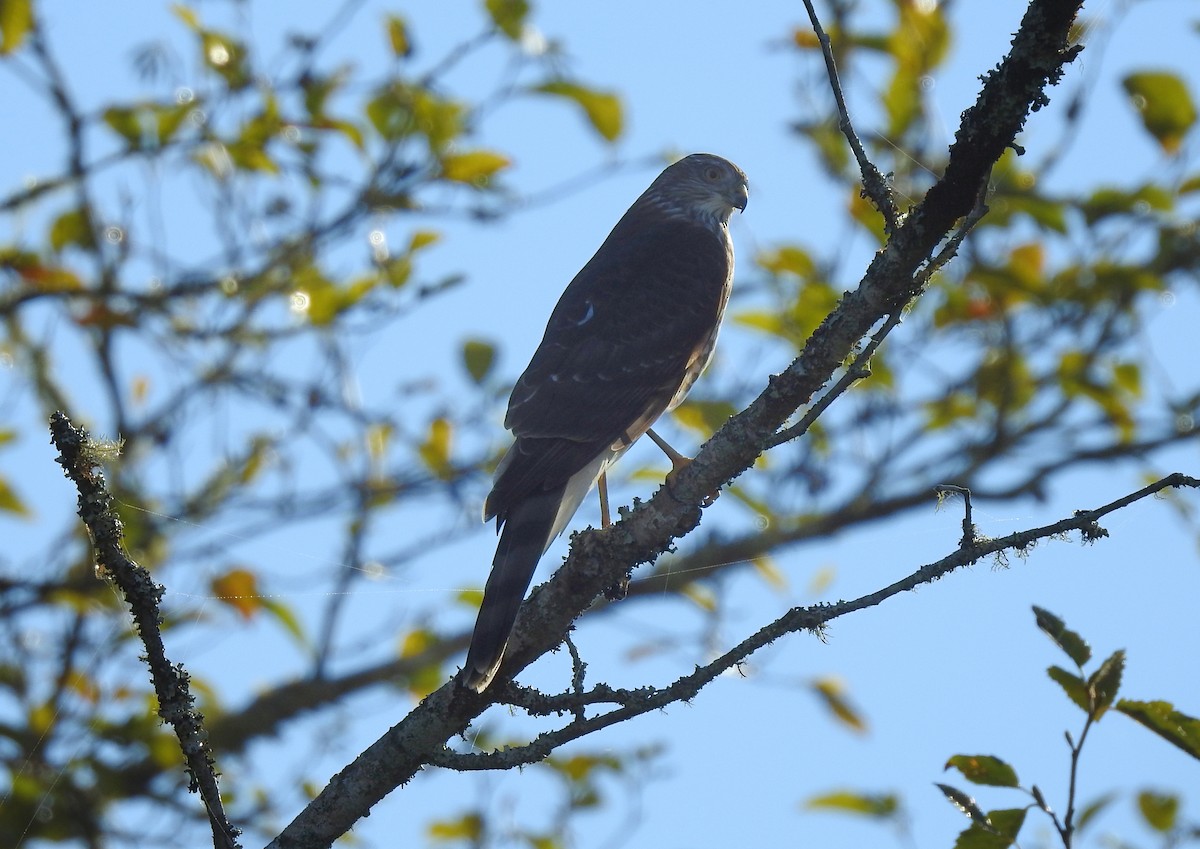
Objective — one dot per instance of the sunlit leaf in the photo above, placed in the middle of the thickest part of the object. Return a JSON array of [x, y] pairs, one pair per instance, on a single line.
[[398, 39], [1159, 810], [1109, 201], [467, 827], [1165, 105], [874, 805], [10, 502], [704, 416], [984, 769], [16, 18], [187, 15], [71, 229], [126, 122], [423, 239], [832, 693], [769, 571], [474, 167], [508, 16], [478, 358], [435, 450], [789, 259], [1172, 725], [603, 109], [238, 588], [702, 596]]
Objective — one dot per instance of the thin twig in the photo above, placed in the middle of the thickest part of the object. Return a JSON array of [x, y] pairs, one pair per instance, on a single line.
[[969, 536], [858, 370], [874, 184]]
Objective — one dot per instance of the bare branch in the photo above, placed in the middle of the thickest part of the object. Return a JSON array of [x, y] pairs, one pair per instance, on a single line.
[[874, 185], [77, 456], [814, 619]]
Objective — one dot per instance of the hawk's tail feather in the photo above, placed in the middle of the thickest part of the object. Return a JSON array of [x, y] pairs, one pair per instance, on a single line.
[[527, 532]]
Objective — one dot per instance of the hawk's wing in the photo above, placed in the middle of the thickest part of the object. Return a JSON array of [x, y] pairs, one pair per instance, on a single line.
[[634, 326]]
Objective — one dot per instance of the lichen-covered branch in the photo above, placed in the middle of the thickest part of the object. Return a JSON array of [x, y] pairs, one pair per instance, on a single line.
[[78, 456]]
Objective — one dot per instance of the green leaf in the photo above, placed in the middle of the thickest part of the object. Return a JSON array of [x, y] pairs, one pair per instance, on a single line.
[[474, 167], [478, 358], [1108, 201], [1165, 105], [508, 16], [71, 228], [1105, 682], [398, 39], [1173, 726], [16, 19], [874, 805], [1074, 645], [127, 123], [603, 109], [999, 831], [1159, 810], [1072, 685], [984, 769], [10, 502]]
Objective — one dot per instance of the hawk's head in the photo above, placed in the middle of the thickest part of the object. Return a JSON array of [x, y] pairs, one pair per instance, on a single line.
[[701, 186]]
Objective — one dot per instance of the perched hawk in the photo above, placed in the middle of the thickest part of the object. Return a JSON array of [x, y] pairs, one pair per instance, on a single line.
[[625, 343]]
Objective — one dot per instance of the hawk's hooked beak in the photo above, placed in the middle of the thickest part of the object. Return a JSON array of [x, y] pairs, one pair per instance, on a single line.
[[740, 197]]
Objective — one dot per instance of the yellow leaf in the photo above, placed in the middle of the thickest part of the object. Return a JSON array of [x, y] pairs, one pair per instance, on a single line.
[[188, 16], [474, 167], [16, 17], [415, 642], [422, 239], [238, 588], [765, 566], [603, 109], [466, 827], [398, 36], [702, 596], [435, 451], [832, 693], [11, 502]]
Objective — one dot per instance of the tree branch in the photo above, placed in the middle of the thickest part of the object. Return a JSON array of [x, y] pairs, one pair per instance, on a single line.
[[875, 186], [813, 618], [78, 457]]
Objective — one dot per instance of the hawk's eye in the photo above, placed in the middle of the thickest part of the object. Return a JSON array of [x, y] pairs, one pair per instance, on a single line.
[[712, 172]]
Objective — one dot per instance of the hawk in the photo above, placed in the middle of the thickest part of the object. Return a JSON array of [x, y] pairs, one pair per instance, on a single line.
[[624, 344]]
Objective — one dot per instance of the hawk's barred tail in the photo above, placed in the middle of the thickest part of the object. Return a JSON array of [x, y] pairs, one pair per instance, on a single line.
[[526, 534]]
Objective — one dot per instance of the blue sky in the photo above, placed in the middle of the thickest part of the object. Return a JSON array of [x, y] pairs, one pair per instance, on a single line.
[[956, 667]]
